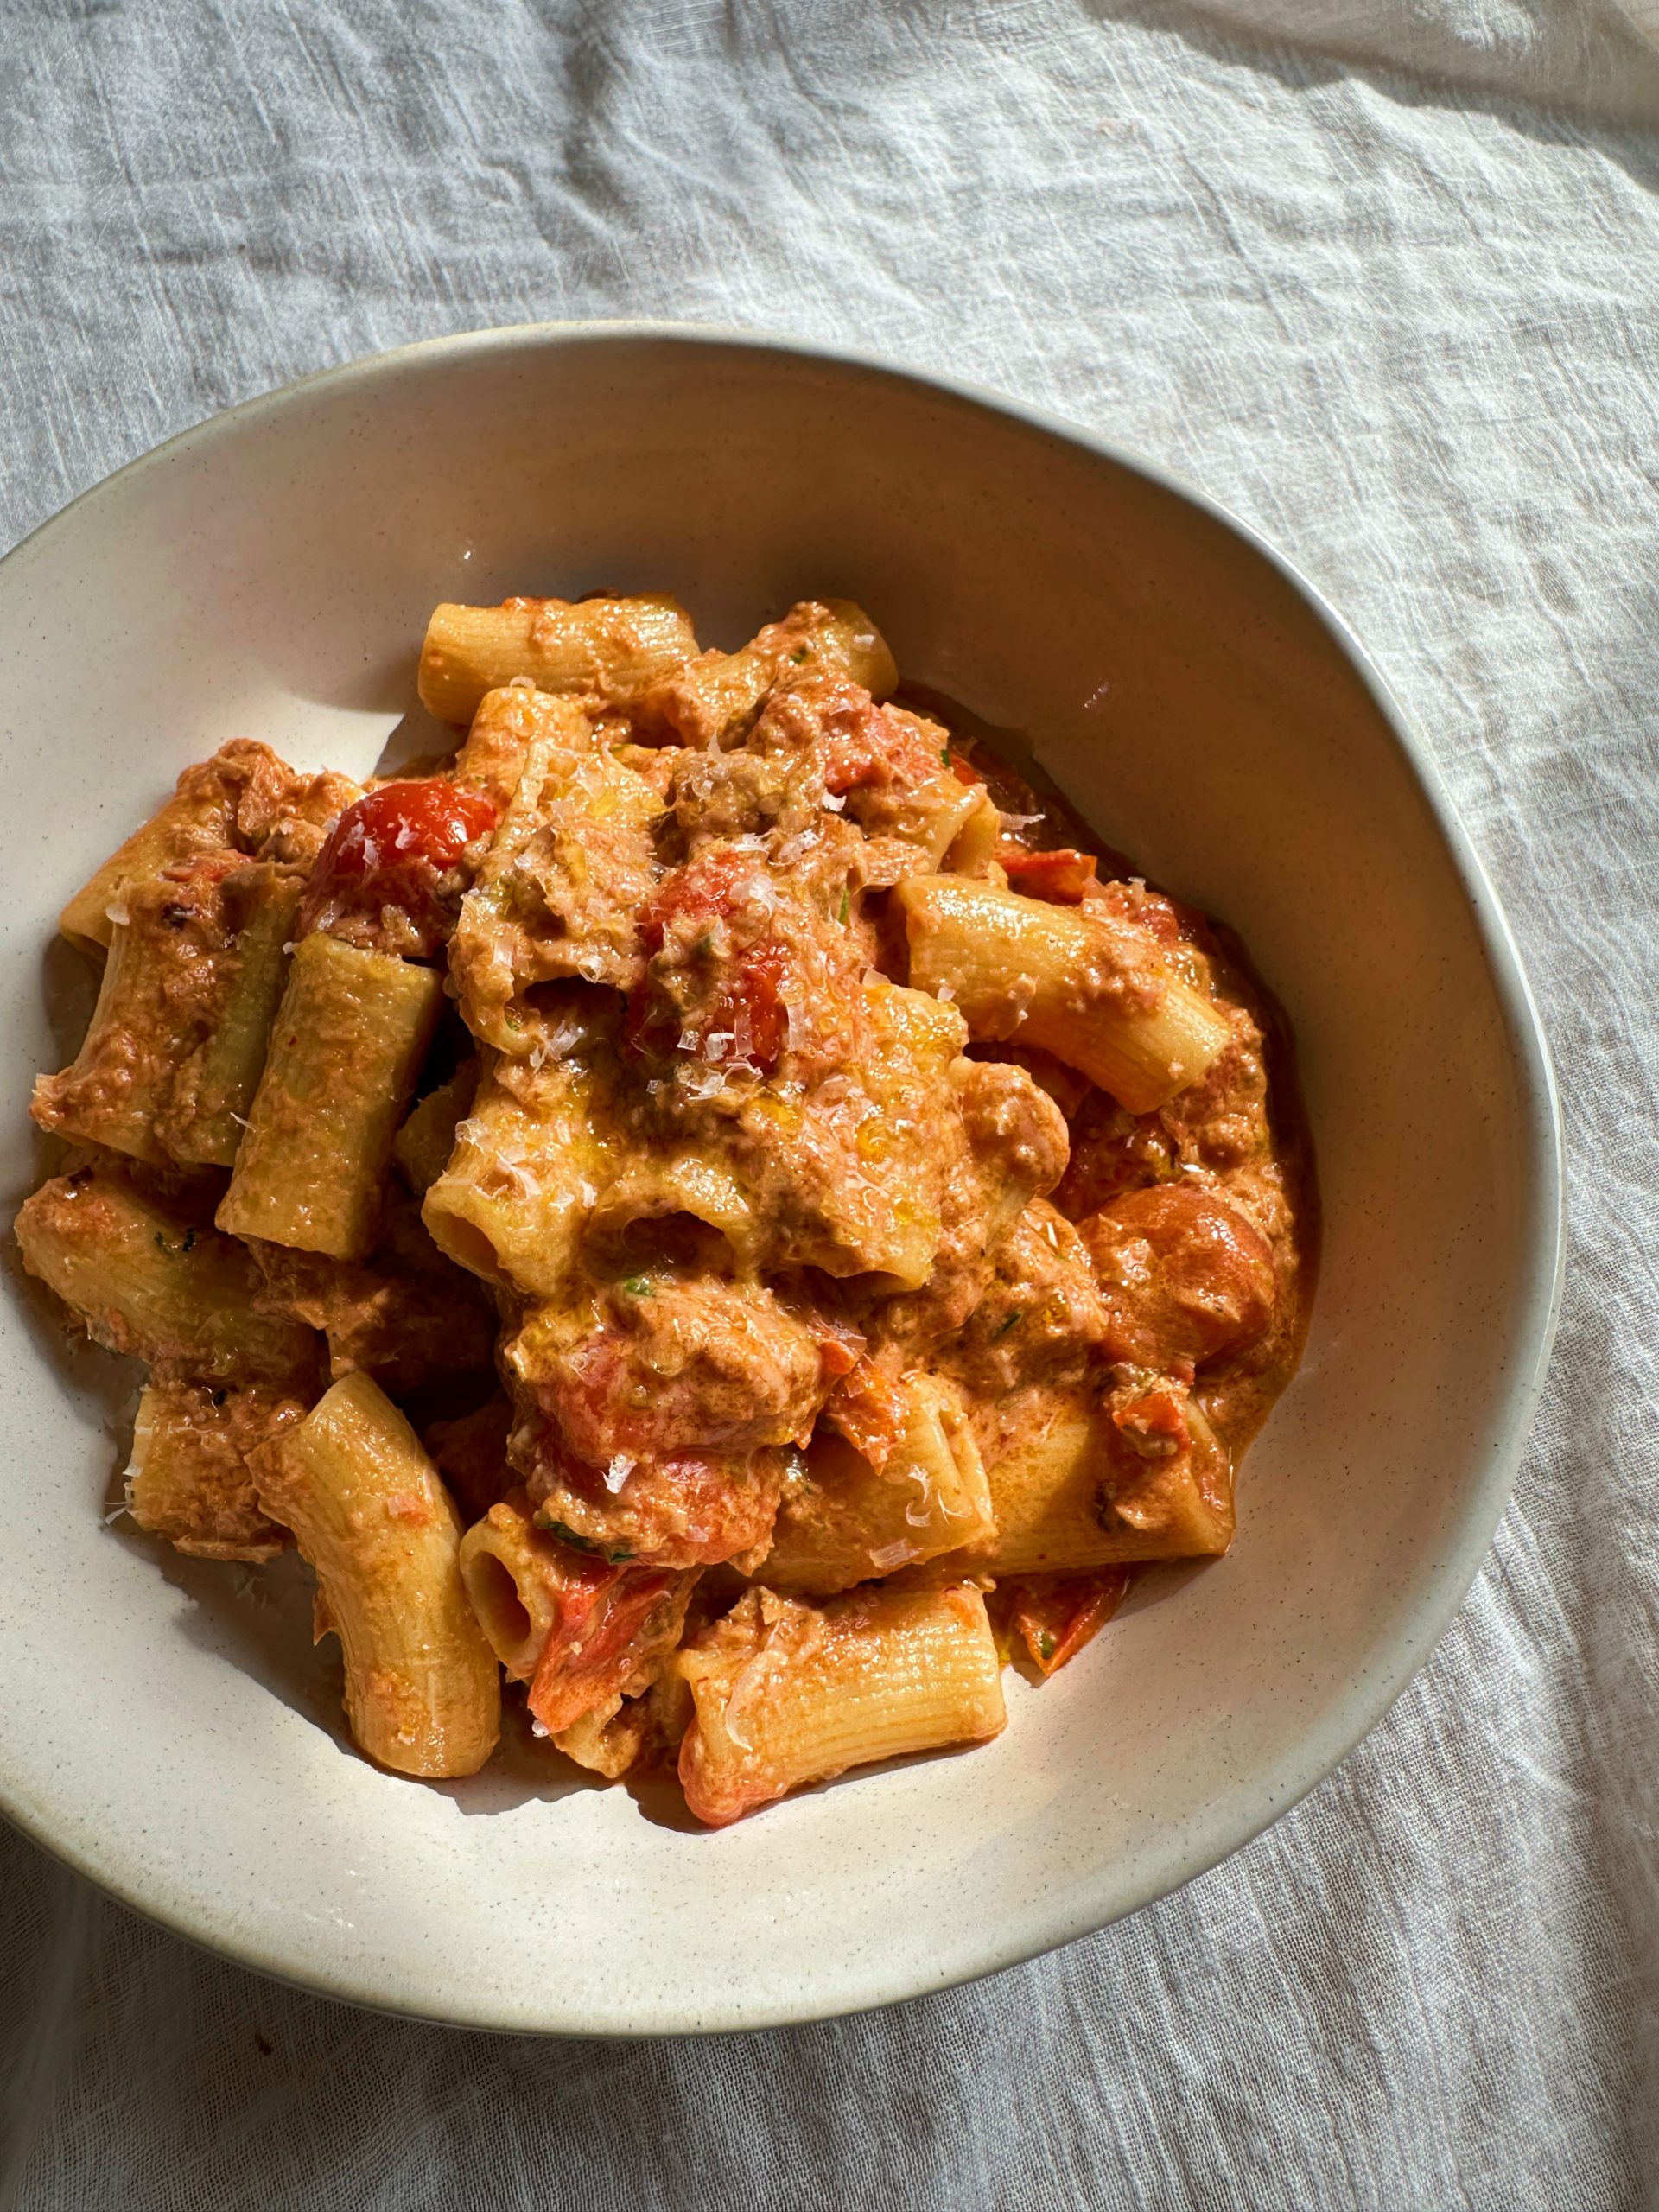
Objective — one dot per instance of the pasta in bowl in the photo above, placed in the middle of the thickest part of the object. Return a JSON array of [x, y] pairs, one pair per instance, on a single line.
[[713, 1201]]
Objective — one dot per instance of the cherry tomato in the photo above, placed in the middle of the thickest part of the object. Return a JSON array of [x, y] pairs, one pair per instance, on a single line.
[[390, 848]]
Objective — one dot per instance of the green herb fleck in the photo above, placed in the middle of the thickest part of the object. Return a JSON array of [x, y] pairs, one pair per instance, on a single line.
[[846, 904], [798, 655], [944, 757], [1013, 1322], [704, 947], [1045, 1644], [637, 1286], [568, 1535], [513, 1022]]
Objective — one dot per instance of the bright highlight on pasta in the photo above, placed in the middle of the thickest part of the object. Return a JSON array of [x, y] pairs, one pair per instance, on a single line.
[[713, 1205]]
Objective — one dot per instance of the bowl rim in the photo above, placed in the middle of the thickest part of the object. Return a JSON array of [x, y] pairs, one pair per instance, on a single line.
[[1446, 1584]]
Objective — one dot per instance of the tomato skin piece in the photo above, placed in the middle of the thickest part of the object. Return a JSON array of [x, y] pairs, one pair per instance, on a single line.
[[866, 1408], [1055, 1614], [389, 849], [1153, 1422], [1062, 876], [595, 1643]]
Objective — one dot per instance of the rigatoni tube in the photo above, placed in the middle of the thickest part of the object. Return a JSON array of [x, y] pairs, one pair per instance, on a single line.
[[510, 1204], [189, 1480], [1073, 1498], [148, 1282], [164, 973], [514, 1576], [367, 1509], [244, 799], [611, 648], [422, 1147], [346, 1051], [1093, 990], [786, 1694], [177, 1038], [843, 1523], [213, 1091], [195, 821]]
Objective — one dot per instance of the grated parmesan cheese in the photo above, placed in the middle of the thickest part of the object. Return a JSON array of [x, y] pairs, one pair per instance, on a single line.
[[891, 1555]]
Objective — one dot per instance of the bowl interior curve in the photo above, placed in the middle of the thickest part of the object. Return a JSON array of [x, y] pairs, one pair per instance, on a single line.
[[270, 576]]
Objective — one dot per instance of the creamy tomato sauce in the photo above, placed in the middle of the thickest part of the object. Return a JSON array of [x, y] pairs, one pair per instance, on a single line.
[[832, 1221]]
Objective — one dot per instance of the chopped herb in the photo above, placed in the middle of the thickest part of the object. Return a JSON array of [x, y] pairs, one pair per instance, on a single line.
[[704, 947], [1045, 1644], [582, 1543], [637, 1286], [799, 654], [1012, 1321], [513, 1022], [944, 757], [846, 904]]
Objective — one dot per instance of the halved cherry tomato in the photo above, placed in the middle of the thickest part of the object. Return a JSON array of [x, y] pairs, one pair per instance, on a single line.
[[1184, 1275]]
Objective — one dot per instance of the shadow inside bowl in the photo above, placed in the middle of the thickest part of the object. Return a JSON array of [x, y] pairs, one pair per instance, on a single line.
[[524, 1769]]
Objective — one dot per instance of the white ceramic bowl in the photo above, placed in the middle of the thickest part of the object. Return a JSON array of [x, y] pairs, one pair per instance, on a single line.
[[269, 575]]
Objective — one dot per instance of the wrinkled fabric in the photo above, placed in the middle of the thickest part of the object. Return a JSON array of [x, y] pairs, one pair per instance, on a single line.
[[1384, 281]]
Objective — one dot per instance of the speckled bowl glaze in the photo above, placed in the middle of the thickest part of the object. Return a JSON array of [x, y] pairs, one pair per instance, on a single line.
[[269, 575]]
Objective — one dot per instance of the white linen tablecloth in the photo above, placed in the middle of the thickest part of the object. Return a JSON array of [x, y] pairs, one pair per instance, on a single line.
[[1383, 279]]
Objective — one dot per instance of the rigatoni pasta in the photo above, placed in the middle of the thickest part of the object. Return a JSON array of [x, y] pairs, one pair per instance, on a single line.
[[153, 1280], [350, 1037], [609, 649], [786, 1693], [370, 1514], [1082, 985], [188, 1479], [888, 1229]]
